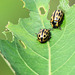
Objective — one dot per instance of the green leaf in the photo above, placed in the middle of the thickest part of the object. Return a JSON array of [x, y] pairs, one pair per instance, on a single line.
[[64, 4], [54, 57]]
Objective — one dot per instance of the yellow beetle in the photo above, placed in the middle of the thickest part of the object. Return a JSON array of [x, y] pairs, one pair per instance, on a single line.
[[44, 35], [57, 18]]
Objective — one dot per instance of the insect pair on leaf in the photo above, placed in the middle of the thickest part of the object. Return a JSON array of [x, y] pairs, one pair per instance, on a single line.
[[56, 20]]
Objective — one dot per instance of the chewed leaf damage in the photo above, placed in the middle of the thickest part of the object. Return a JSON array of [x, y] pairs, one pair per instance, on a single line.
[[42, 10]]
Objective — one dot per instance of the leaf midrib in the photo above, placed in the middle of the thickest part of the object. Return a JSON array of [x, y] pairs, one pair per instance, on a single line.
[[42, 56], [32, 49], [47, 43]]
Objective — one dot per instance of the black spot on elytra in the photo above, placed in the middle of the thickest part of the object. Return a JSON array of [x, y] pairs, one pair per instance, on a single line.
[[58, 10], [59, 14], [54, 14], [61, 20], [39, 35], [44, 35], [46, 38], [54, 24]]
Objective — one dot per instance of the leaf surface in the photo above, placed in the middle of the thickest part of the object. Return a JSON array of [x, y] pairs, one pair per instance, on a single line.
[[51, 58]]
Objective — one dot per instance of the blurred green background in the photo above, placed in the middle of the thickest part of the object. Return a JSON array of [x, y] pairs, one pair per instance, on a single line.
[[12, 10], [4, 69]]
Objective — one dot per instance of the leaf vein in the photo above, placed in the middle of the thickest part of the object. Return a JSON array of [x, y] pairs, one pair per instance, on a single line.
[[38, 54], [47, 44], [32, 49], [64, 63], [26, 63]]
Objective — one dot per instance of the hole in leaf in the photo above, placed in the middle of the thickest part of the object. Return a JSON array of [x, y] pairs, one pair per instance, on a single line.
[[9, 36], [42, 10], [71, 2], [11, 10], [52, 7], [39, 35]]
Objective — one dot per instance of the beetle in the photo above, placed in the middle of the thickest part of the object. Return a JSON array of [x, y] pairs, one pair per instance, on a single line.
[[44, 35], [57, 18]]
